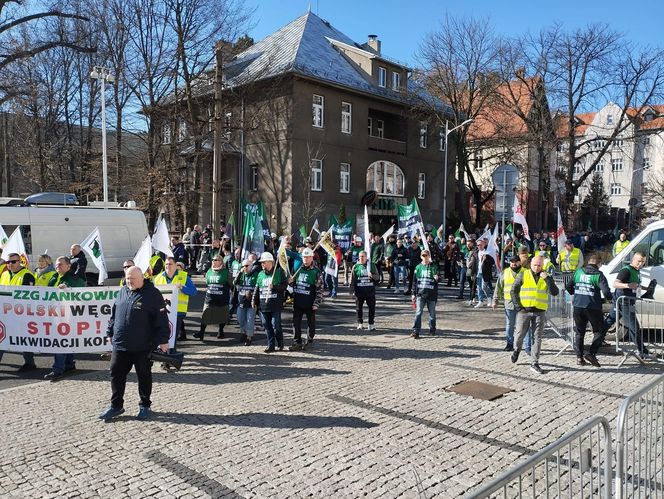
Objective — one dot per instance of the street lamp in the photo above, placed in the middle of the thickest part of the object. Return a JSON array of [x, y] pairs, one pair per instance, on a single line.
[[447, 133], [103, 75]]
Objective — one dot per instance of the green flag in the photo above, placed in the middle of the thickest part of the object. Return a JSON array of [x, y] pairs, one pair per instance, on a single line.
[[509, 229], [590, 226], [616, 231], [303, 231]]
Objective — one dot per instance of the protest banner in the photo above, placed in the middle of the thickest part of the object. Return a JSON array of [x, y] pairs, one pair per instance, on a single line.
[[342, 233], [409, 218], [73, 320]]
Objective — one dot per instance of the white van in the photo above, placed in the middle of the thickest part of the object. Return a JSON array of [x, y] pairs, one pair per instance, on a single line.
[[651, 242], [56, 228]]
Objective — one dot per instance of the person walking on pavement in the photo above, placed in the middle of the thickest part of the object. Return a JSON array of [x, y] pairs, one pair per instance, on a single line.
[[587, 288], [570, 258], [217, 296], [530, 296], [504, 290], [363, 285], [351, 258], [414, 259], [390, 246], [63, 363], [425, 293], [18, 275], [399, 257], [307, 298], [244, 284], [473, 265], [268, 297], [138, 323], [451, 254], [377, 252]]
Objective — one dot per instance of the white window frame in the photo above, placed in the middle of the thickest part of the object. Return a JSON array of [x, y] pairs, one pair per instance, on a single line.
[[384, 174], [382, 76], [344, 178], [253, 178], [318, 111], [316, 175], [616, 190], [646, 162], [347, 117], [617, 143], [609, 119], [646, 140], [577, 169], [421, 185], [424, 133], [396, 81], [616, 164], [599, 167], [370, 126], [182, 130], [479, 161], [166, 133], [441, 138], [380, 129]]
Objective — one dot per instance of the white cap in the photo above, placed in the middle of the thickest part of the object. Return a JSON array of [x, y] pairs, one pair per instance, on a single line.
[[307, 252], [358, 239], [266, 256], [246, 262], [273, 235]]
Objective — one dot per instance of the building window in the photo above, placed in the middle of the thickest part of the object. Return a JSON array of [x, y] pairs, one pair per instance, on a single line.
[[646, 140], [382, 77], [385, 178], [609, 119], [396, 81], [424, 128], [616, 189], [577, 169], [316, 176], [617, 143], [318, 108], [346, 117], [370, 126], [182, 130], [616, 165], [646, 162], [253, 180], [441, 138], [166, 133], [344, 171], [380, 129], [479, 161], [599, 167], [421, 185]]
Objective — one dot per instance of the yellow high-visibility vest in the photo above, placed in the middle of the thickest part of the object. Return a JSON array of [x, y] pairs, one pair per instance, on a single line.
[[534, 294], [7, 279], [508, 282], [619, 245], [44, 279], [569, 264], [179, 277]]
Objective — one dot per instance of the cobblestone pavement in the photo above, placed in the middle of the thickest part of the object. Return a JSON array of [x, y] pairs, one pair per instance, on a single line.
[[362, 415]]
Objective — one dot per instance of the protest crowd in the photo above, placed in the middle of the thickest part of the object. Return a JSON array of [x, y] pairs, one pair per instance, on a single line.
[[256, 277]]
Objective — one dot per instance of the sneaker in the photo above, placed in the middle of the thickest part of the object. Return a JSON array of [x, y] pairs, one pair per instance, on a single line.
[[489, 304], [396, 291], [295, 347], [53, 376], [143, 413], [111, 412], [372, 327], [280, 347], [220, 335], [536, 368], [432, 332], [592, 359], [415, 335], [580, 361], [359, 325], [309, 344], [269, 350], [247, 342], [508, 348], [198, 336], [243, 337], [479, 304], [26, 368], [515, 356], [470, 303]]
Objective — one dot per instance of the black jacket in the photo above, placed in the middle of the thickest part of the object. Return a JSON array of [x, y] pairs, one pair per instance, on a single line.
[[588, 291], [79, 264], [138, 320]]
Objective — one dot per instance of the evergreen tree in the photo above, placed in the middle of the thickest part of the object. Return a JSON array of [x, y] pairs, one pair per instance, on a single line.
[[597, 199]]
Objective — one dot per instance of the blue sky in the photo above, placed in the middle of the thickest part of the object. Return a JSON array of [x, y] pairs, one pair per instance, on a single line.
[[402, 25]]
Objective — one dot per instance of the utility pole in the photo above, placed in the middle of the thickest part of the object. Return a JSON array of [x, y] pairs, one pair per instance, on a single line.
[[217, 149]]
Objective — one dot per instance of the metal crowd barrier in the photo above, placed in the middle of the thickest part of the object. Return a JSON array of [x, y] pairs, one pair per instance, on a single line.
[[639, 321], [559, 316], [577, 465], [640, 443]]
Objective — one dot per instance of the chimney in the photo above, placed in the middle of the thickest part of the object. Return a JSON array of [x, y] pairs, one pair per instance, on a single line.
[[374, 43]]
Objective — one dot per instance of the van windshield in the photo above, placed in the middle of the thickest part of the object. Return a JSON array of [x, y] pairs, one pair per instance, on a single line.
[[652, 246]]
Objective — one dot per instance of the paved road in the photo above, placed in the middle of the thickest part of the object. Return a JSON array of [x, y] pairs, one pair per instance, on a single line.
[[360, 415]]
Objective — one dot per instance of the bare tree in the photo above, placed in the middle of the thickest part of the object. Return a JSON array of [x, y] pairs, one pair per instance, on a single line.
[[653, 196], [461, 65], [311, 207]]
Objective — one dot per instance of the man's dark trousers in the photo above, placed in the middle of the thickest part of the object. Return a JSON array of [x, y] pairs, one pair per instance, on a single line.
[[582, 316], [298, 313], [121, 364]]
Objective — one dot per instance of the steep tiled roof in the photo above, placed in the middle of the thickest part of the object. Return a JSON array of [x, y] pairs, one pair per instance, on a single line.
[[584, 120], [498, 119]]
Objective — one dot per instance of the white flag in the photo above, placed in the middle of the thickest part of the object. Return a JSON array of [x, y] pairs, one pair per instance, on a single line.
[[519, 218], [420, 227], [143, 255], [493, 247], [388, 232], [560, 233], [315, 228], [160, 240], [15, 244], [367, 237], [331, 267], [95, 251], [3, 237]]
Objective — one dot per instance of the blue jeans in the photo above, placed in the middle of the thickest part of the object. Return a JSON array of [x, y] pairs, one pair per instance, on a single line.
[[483, 288], [399, 271], [63, 362], [332, 284], [28, 358], [431, 307], [462, 279], [272, 325], [510, 323], [246, 317]]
